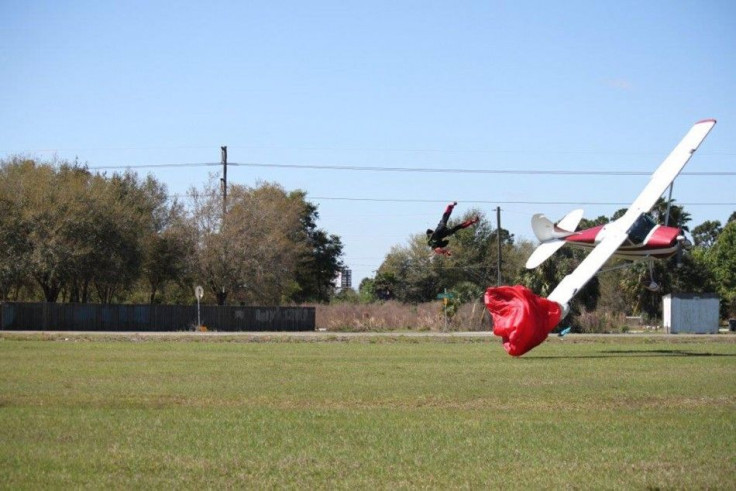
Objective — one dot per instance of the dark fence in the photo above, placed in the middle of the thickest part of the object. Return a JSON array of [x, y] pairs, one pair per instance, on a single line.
[[109, 317]]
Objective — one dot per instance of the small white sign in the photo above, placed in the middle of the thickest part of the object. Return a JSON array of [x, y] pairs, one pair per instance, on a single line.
[[199, 292]]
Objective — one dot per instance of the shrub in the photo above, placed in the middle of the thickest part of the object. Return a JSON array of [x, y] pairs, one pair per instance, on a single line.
[[600, 321], [392, 315]]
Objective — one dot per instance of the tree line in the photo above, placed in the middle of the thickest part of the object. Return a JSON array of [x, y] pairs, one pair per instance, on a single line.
[[412, 274], [70, 235]]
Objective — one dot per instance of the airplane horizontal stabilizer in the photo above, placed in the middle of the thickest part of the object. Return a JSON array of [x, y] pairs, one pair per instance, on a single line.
[[542, 252]]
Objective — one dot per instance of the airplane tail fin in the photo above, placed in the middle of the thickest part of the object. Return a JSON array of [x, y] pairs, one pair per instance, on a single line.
[[551, 235], [545, 230]]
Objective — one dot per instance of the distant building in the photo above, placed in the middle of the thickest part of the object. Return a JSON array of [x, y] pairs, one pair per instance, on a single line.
[[346, 279]]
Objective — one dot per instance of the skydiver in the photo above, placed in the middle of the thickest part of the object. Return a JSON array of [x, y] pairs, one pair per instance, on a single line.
[[435, 238]]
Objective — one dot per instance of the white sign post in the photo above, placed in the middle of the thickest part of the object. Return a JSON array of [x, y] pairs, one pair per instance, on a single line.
[[199, 293]]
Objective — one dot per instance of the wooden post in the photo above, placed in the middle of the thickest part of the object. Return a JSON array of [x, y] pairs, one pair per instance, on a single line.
[[223, 151]]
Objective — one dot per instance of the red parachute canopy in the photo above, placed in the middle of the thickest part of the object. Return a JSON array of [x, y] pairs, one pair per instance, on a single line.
[[520, 317]]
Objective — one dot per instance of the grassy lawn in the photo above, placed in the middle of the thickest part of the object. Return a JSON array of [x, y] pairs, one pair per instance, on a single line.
[[366, 413]]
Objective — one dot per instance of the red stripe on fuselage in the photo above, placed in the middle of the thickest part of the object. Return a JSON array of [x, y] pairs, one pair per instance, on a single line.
[[661, 243], [586, 236]]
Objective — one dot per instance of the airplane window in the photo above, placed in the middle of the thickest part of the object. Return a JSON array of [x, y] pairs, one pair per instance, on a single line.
[[641, 228]]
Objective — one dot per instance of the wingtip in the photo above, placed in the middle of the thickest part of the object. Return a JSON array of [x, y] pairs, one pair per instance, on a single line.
[[711, 120]]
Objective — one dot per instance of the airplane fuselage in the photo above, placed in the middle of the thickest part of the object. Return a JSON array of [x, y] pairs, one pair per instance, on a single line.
[[659, 242]]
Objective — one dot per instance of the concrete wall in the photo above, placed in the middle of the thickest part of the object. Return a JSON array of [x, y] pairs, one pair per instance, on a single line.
[[111, 317]]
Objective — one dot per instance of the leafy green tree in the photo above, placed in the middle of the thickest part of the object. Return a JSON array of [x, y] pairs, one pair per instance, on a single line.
[[367, 291], [671, 278], [14, 231], [467, 291], [125, 211], [692, 274], [264, 225], [612, 298], [254, 254], [678, 217], [47, 217], [82, 234], [477, 255], [168, 248], [385, 285], [410, 274], [722, 259], [706, 234], [322, 261], [213, 268], [618, 214], [77, 231], [418, 275], [346, 295], [590, 223]]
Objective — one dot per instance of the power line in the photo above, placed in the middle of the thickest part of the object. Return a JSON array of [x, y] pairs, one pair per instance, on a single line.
[[492, 202], [430, 170], [475, 171], [153, 166], [494, 151]]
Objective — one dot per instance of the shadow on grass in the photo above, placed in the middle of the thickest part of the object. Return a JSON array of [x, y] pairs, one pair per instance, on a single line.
[[635, 354]]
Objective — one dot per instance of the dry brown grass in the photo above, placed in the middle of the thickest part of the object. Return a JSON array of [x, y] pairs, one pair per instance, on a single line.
[[429, 317], [602, 321], [392, 316]]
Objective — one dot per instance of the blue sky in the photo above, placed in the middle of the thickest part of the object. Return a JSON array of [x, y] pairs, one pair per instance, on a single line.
[[527, 85]]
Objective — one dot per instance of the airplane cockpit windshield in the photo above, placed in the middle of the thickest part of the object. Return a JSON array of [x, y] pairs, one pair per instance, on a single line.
[[641, 228]]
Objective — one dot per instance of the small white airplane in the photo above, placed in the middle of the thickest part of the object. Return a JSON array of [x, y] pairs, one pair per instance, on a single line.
[[646, 239], [633, 236]]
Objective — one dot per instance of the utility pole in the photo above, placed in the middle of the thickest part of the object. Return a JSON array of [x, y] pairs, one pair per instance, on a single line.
[[498, 221], [224, 181], [223, 152]]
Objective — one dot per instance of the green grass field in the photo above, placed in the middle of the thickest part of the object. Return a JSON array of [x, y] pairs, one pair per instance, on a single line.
[[394, 412]]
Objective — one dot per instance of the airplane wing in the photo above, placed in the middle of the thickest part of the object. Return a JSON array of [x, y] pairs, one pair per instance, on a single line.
[[668, 171], [617, 232]]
